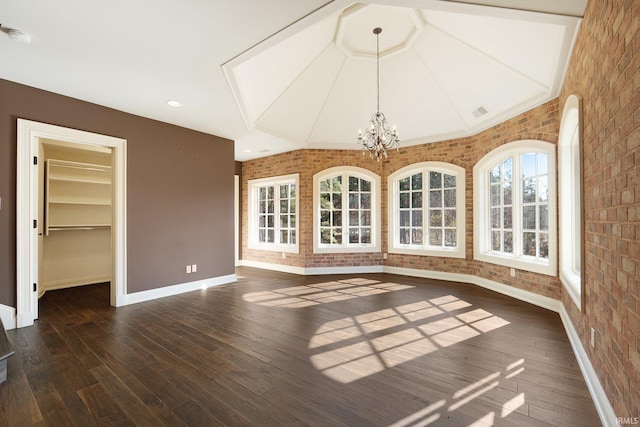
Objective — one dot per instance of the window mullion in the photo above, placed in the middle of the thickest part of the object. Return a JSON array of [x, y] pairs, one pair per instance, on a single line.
[[425, 209], [517, 205], [345, 210]]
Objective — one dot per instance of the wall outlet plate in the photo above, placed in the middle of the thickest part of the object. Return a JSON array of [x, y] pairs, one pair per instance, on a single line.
[[188, 269]]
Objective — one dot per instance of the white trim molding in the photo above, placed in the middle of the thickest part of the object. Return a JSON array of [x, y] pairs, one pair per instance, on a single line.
[[312, 271], [8, 316], [29, 135], [482, 221], [520, 294], [425, 249], [253, 186], [376, 217], [168, 291], [570, 204], [600, 400]]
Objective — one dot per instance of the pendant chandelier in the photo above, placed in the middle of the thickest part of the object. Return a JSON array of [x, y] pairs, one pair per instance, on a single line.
[[378, 138]]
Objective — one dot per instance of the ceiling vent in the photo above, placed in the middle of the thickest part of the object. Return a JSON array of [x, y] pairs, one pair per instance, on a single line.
[[480, 111]]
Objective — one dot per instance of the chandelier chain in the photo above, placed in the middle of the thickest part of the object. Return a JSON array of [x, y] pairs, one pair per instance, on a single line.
[[378, 137], [378, 68]]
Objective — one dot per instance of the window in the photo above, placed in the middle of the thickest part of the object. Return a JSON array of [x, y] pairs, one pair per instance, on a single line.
[[570, 202], [427, 209], [347, 205], [514, 207], [273, 207]]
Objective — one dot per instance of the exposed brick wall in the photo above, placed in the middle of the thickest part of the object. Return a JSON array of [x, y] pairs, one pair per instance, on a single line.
[[307, 163], [539, 123], [605, 72]]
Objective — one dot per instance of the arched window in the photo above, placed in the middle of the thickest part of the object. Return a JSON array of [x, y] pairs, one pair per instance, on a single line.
[[273, 207], [346, 211], [570, 201], [514, 207], [427, 210]]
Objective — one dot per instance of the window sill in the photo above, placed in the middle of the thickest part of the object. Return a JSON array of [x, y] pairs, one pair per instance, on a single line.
[[548, 269], [346, 249], [442, 253], [273, 247]]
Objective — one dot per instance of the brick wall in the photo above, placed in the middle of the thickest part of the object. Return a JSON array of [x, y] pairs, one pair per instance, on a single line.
[[605, 72], [539, 123], [307, 163]]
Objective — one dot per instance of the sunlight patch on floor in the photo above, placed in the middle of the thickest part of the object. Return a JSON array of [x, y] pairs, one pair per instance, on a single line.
[[322, 293], [355, 347], [506, 402]]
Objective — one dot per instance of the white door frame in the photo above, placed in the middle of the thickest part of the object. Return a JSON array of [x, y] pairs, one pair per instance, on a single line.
[[29, 134]]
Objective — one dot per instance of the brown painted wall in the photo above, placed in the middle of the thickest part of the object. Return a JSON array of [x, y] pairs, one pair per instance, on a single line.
[[605, 72], [179, 189]]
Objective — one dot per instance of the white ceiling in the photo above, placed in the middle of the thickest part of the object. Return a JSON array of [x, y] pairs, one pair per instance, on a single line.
[[288, 74]]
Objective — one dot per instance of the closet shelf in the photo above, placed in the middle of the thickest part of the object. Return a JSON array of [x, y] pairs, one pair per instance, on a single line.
[[99, 181], [80, 202], [79, 227]]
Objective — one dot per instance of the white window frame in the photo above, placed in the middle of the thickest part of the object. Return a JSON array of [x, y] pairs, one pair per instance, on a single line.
[[570, 199], [481, 208], [346, 247], [394, 219], [253, 238]]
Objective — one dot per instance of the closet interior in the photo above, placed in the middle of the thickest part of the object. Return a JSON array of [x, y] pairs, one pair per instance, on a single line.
[[75, 243]]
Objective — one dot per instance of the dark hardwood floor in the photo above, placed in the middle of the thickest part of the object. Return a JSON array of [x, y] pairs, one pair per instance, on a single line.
[[279, 349]]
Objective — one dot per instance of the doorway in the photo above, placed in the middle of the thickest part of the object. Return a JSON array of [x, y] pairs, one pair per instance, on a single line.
[[34, 139]]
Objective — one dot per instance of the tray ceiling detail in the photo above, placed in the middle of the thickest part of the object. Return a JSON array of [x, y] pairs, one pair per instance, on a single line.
[[446, 70]]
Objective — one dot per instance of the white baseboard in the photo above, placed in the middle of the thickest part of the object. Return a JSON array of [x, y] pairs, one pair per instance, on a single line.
[[168, 291], [53, 285], [522, 295], [8, 316], [344, 270], [310, 271], [600, 400], [275, 267]]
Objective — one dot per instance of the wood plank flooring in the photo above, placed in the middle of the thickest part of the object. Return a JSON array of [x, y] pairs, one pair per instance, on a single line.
[[276, 349]]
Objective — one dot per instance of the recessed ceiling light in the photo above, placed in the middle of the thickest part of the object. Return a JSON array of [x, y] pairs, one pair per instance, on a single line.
[[173, 103], [247, 151], [19, 36]]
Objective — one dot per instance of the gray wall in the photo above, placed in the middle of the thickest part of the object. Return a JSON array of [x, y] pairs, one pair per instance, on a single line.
[[179, 189]]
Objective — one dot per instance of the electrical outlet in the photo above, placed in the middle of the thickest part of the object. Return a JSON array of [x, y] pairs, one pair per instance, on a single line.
[[284, 255], [593, 337], [188, 269], [384, 255], [194, 268], [513, 272]]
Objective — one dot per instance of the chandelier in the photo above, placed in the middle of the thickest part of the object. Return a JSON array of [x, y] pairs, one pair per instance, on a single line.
[[378, 138]]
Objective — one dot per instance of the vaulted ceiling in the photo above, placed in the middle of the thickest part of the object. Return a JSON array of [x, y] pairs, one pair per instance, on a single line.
[[282, 75]]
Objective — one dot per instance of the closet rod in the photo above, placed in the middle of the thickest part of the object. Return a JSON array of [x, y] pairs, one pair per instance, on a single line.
[[80, 227]]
